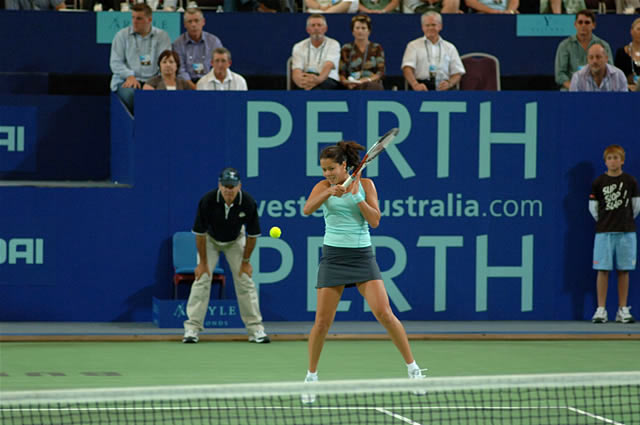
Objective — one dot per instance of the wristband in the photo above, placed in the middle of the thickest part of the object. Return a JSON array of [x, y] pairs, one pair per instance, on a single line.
[[357, 198]]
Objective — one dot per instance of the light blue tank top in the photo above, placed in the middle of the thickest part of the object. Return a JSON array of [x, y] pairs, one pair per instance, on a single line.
[[345, 226]]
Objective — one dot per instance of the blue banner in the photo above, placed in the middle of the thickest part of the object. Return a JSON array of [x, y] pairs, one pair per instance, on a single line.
[[545, 25], [220, 314], [483, 198], [109, 23], [18, 136]]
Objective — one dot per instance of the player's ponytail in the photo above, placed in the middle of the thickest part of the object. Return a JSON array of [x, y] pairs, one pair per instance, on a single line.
[[351, 151], [343, 151]]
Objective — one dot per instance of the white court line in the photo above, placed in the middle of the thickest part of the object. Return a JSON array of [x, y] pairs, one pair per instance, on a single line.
[[396, 416], [591, 415]]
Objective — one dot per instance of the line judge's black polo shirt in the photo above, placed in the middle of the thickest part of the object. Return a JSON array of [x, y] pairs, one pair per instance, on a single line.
[[211, 217]]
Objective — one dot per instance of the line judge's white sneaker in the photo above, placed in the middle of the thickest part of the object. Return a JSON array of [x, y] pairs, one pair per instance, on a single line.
[[417, 374], [260, 338], [600, 316], [308, 398], [190, 336], [624, 316]]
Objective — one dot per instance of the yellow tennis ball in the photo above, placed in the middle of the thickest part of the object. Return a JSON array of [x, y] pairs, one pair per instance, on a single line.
[[275, 232]]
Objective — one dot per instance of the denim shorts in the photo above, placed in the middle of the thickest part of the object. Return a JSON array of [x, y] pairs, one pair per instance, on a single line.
[[619, 245]]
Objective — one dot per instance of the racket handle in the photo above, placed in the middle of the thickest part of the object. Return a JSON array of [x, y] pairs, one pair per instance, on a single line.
[[347, 182]]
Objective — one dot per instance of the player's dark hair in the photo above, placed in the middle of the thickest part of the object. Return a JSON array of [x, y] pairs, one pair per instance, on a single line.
[[343, 151]]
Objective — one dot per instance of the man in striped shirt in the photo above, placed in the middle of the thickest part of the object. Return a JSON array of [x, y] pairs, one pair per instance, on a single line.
[[598, 75]]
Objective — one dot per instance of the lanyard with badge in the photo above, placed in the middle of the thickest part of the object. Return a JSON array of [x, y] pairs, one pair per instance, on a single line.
[[200, 48], [432, 66], [145, 59], [318, 58]]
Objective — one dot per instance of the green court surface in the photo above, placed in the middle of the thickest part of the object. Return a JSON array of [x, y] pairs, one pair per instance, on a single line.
[[53, 365]]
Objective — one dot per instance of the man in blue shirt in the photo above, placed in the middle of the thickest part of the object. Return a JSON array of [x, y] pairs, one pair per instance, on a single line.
[[35, 5], [195, 47], [134, 53], [598, 75]]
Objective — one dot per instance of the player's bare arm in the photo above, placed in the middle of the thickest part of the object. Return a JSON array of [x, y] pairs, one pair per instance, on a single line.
[[320, 193], [369, 208]]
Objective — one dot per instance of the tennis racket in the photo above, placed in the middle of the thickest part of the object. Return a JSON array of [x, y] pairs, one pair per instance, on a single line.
[[372, 153]]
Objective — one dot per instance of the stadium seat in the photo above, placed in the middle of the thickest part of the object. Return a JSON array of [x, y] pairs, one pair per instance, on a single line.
[[289, 76], [483, 72], [185, 260]]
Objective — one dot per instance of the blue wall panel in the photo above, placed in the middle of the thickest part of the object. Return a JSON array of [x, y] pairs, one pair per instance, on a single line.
[[65, 138], [496, 186], [262, 42]]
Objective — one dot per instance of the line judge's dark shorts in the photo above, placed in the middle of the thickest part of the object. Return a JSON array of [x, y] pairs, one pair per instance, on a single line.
[[347, 266]]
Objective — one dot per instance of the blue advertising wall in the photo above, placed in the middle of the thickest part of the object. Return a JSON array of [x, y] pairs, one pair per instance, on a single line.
[[484, 201]]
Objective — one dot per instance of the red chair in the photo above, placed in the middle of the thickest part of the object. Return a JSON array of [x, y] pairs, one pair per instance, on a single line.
[[185, 257], [482, 72]]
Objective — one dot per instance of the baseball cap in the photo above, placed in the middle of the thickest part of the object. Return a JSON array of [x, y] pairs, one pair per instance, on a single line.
[[229, 177]]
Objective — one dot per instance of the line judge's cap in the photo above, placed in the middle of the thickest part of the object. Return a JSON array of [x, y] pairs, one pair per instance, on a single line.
[[229, 177]]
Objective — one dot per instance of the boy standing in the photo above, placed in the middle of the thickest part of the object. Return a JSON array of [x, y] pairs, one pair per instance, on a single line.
[[614, 203]]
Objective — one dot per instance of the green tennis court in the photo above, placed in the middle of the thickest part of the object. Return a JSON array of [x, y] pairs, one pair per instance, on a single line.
[[82, 365], [51, 365]]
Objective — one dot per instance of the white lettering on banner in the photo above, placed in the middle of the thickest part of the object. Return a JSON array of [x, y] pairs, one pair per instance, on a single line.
[[484, 272], [286, 264], [31, 251], [15, 138], [444, 110], [255, 142], [529, 139], [441, 244]]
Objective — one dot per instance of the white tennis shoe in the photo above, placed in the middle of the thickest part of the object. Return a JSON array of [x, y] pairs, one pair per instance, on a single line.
[[624, 316], [600, 316], [190, 336], [308, 398], [417, 374], [260, 338]]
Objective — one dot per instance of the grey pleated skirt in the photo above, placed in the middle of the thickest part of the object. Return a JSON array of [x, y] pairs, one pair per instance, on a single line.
[[346, 266]]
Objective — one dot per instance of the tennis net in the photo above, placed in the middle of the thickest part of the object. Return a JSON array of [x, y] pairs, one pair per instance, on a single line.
[[593, 398]]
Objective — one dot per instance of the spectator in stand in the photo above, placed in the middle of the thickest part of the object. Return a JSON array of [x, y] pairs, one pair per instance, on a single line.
[[493, 6], [571, 54], [378, 6], [221, 77], [168, 62], [134, 53], [332, 6], [430, 62], [598, 75], [35, 4], [362, 61], [628, 57], [550, 6], [195, 47], [315, 59], [424, 6]]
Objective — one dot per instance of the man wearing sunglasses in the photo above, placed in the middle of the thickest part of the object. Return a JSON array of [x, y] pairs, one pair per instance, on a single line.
[[571, 54]]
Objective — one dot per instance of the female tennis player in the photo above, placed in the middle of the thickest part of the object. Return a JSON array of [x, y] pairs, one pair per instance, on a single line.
[[347, 255]]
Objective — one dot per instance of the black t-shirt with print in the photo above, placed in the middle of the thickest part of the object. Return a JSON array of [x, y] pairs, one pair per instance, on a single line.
[[615, 209]]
